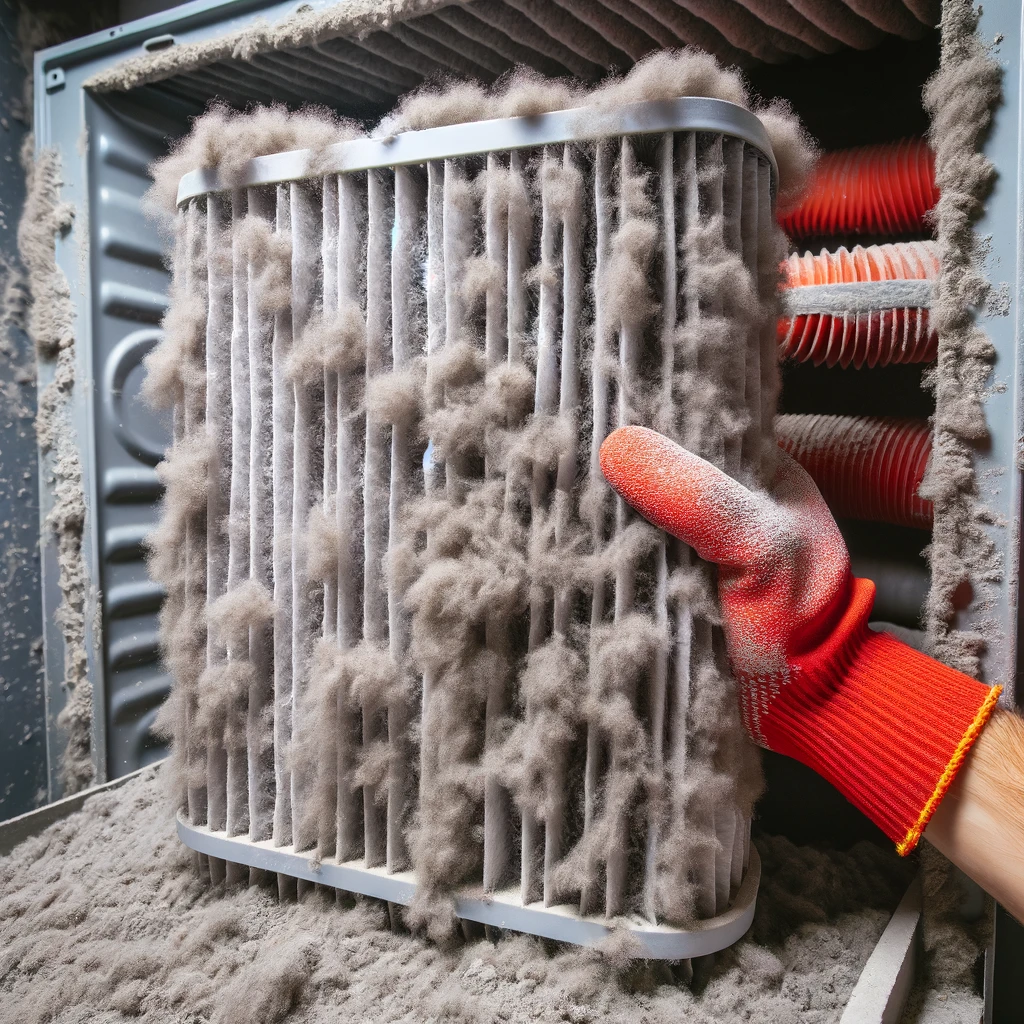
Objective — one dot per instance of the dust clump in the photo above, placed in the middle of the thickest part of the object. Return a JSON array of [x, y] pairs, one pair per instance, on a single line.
[[224, 139], [663, 75]]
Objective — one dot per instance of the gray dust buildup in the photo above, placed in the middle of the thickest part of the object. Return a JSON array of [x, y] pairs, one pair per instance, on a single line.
[[50, 323], [102, 919]]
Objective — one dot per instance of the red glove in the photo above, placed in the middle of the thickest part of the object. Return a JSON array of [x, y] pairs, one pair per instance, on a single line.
[[888, 726]]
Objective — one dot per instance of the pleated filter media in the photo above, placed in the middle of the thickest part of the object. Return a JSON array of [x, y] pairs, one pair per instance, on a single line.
[[420, 649]]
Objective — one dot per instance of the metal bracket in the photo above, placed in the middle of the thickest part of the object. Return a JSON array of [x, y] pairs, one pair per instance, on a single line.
[[54, 79]]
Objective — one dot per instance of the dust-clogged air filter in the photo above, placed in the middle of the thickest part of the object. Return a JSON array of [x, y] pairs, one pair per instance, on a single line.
[[860, 307], [885, 189], [865, 467], [445, 666]]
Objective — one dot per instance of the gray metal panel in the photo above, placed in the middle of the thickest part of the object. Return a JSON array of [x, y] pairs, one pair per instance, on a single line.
[[998, 472], [884, 984], [22, 707], [130, 283]]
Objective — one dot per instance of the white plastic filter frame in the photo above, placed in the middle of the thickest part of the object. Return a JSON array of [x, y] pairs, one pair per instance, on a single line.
[[683, 114], [504, 907]]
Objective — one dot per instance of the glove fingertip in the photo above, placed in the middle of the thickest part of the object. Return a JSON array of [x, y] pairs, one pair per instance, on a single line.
[[625, 453]]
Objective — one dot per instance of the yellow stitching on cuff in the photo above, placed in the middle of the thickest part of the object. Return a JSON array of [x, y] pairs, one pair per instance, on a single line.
[[946, 779]]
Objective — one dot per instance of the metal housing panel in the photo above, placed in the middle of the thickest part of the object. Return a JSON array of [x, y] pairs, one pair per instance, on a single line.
[[130, 283], [996, 608], [121, 295], [22, 707]]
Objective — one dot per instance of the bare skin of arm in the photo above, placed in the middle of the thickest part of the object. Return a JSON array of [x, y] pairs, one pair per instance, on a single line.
[[979, 825]]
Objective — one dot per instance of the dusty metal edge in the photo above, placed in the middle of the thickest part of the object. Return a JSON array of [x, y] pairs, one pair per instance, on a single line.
[[884, 984], [500, 909], [16, 830], [685, 113]]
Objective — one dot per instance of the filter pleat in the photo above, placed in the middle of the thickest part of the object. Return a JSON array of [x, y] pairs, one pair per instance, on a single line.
[[658, 683], [604, 220], [189, 638], [497, 805], [259, 727], [348, 471], [327, 699], [570, 185], [519, 228], [237, 640], [283, 400], [537, 851], [218, 423], [435, 311], [696, 428], [721, 172], [307, 487], [376, 498], [407, 344], [630, 337]]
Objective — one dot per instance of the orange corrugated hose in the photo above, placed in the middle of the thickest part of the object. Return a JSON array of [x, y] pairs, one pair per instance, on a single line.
[[863, 326], [865, 467], [870, 190]]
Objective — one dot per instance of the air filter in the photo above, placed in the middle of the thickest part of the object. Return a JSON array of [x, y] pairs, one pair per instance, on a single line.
[[421, 651], [860, 307]]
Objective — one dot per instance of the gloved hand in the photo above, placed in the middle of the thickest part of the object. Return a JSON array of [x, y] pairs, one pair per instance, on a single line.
[[886, 725]]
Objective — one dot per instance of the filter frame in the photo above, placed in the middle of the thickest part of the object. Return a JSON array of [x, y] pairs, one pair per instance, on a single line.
[[501, 909], [478, 138]]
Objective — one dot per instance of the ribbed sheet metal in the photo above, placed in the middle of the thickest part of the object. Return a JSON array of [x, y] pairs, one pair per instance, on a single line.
[[583, 38], [396, 244]]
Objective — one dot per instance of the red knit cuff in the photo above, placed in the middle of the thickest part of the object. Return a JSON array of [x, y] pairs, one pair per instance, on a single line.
[[888, 726]]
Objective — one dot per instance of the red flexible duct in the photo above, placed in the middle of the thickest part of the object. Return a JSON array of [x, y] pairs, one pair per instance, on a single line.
[[866, 468], [871, 190], [860, 307]]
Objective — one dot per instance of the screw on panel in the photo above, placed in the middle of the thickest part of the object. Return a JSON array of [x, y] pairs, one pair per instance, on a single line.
[[54, 79]]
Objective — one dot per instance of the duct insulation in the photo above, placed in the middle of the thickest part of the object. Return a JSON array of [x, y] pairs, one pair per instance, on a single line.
[[860, 307], [411, 627], [885, 189]]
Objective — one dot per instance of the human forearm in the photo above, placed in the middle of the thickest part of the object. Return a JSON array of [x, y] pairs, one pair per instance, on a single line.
[[979, 825]]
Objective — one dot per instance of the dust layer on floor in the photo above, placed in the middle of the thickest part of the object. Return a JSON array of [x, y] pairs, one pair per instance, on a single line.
[[102, 919]]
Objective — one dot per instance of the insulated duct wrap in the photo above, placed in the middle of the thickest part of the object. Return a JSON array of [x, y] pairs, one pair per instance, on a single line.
[[411, 627], [865, 467], [884, 189]]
